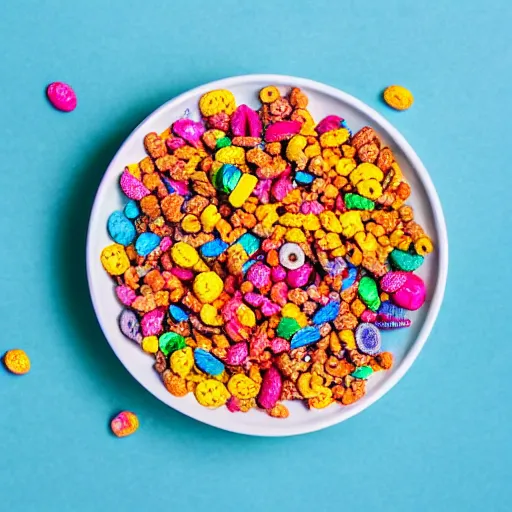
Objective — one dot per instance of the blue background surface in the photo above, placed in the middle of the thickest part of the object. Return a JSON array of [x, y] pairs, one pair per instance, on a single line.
[[439, 441]]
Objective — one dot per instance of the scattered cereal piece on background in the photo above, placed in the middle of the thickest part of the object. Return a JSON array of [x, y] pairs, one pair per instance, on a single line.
[[61, 96], [17, 361], [398, 97], [124, 424]]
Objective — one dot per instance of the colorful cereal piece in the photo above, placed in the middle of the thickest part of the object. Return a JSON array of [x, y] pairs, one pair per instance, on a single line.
[[362, 372], [369, 293], [250, 243], [287, 328], [215, 102], [412, 294], [211, 393], [304, 178], [291, 256], [146, 243], [243, 190], [304, 337], [61, 96], [132, 187], [124, 424], [207, 363], [328, 313], [226, 178], [17, 361], [208, 286], [130, 326], [245, 122], [184, 255], [177, 313], [131, 210], [213, 249], [170, 342], [398, 97], [120, 229], [328, 124], [237, 354], [368, 339], [393, 281], [114, 260], [282, 130], [271, 387], [357, 202], [189, 130], [405, 261]]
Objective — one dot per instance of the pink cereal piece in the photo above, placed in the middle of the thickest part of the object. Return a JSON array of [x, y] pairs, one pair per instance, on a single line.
[[393, 281], [125, 295], [270, 388], [282, 130], [233, 404], [246, 122], [235, 330], [184, 274], [189, 130], [369, 316], [262, 191], [313, 207], [174, 143], [269, 308], [259, 275], [282, 187], [254, 299], [181, 187], [132, 187], [151, 323], [237, 354], [258, 344], [328, 123], [412, 293], [124, 424], [61, 96], [165, 243], [340, 204], [300, 276], [279, 293], [279, 345], [278, 274]]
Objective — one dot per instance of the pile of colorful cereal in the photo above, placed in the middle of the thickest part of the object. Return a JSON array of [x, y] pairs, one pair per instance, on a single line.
[[261, 254]]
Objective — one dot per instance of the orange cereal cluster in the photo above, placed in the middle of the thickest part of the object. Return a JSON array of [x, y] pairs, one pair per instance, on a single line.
[[261, 254]]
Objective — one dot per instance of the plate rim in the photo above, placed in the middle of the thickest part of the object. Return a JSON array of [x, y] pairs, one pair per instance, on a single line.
[[441, 250]]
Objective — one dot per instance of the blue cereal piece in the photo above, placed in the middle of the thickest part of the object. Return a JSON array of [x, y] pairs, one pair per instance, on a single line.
[[178, 314], [250, 243], [351, 279], [146, 243], [131, 210], [247, 265], [229, 177], [305, 336], [388, 309], [213, 249], [327, 314], [121, 229], [304, 178], [207, 363]]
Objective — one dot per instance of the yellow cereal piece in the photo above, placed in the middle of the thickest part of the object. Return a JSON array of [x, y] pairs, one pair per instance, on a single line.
[[313, 150], [115, 260], [231, 155], [330, 241], [330, 222], [340, 251], [345, 166], [295, 151], [184, 255], [384, 297], [246, 316], [311, 222], [366, 241], [243, 190], [17, 361], [293, 311], [308, 126], [208, 286], [323, 399], [210, 316], [191, 224], [366, 171], [398, 97], [334, 138], [150, 344], [134, 170], [423, 246], [241, 386], [209, 218], [182, 361], [269, 94], [201, 266], [264, 210], [351, 223], [295, 235], [347, 337], [304, 386], [215, 102], [331, 192], [292, 220], [211, 393], [371, 189]]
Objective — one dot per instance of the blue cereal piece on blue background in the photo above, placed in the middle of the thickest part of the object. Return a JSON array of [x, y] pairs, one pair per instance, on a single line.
[[131, 210], [250, 243], [178, 314], [146, 243], [327, 314], [304, 178], [207, 363], [305, 336], [214, 248], [121, 229]]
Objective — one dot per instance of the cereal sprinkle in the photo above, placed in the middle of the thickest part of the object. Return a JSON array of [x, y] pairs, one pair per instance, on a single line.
[[260, 254]]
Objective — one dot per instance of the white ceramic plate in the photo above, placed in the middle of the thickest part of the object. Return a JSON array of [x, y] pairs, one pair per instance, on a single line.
[[405, 344]]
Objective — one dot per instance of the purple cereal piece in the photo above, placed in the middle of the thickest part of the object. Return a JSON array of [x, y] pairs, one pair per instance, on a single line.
[[313, 207], [262, 191], [125, 295], [151, 322], [393, 281], [174, 143], [368, 339], [132, 187], [237, 354], [130, 326], [283, 186], [259, 275], [254, 299], [165, 243], [271, 387]]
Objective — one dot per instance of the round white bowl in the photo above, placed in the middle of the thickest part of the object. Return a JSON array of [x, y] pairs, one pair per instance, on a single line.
[[405, 343]]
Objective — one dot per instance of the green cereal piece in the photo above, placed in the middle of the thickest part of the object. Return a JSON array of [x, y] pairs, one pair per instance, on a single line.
[[405, 261], [287, 328], [169, 342], [369, 293], [223, 142], [357, 202], [363, 372]]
